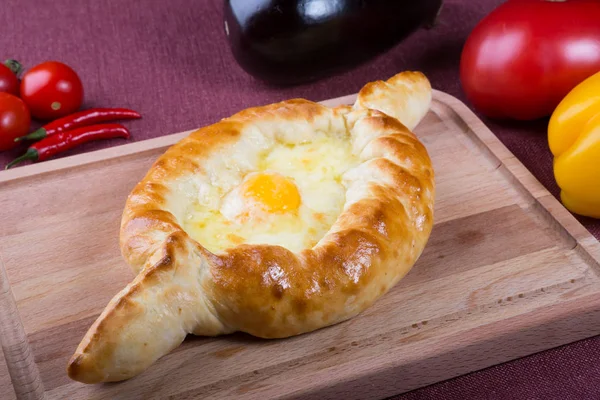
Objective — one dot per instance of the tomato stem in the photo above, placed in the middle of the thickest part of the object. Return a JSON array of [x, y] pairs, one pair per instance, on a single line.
[[14, 66]]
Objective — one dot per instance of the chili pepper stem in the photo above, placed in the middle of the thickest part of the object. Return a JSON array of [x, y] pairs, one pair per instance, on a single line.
[[14, 66], [30, 154], [35, 135]]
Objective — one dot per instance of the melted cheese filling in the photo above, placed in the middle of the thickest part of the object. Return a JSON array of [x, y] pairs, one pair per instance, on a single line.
[[291, 200]]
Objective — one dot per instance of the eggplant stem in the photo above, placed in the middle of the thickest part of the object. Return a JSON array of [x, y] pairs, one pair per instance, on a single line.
[[431, 24]]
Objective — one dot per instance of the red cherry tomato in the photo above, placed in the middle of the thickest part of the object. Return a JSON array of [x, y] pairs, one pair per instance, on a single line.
[[14, 120], [51, 90], [525, 56], [9, 83]]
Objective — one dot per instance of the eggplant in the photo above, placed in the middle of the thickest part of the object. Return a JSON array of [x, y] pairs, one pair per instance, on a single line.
[[288, 42]]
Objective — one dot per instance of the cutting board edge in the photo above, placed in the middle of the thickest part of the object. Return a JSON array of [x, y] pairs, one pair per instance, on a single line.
[[526, 328], [545, 200], [123, 150], [551, 207]]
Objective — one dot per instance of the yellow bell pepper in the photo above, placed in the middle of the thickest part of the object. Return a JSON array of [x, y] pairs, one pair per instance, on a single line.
[[574, 139]]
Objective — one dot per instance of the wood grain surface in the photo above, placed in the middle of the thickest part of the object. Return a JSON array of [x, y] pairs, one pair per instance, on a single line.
[[6, 389], [23, 371], [507, 272]]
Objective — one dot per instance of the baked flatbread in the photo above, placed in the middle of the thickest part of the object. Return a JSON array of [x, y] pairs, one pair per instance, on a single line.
[[277, 221]]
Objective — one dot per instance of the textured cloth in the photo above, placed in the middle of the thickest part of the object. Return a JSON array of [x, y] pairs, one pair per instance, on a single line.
[[566, 373], [170, 61]]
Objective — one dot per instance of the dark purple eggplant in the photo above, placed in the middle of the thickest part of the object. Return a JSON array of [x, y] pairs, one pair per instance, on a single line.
[[296, 41]]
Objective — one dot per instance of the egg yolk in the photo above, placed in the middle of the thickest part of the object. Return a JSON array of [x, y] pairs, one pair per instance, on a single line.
[[273, 192]]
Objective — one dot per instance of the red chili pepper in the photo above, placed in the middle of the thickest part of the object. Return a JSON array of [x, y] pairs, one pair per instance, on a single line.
[[80, 119], [64, 141]]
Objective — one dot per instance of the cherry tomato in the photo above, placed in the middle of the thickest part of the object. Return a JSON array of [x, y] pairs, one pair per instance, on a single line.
[[525, 56], [9, 82], [51, 90], [14, 120]]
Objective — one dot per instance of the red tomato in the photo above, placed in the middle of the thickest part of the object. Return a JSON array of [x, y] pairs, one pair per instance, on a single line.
[[14, 120], [51, 90], [525, 56], [9, 83]]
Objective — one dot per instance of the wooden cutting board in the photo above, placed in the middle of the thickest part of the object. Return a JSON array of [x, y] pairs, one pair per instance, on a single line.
[[507, 272], [6, 389]]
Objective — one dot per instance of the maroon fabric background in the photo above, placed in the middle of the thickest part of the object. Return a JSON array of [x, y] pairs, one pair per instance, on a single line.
[[170, 61]]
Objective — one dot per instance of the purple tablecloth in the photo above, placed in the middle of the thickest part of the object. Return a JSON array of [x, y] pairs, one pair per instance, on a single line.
[[170, 61]]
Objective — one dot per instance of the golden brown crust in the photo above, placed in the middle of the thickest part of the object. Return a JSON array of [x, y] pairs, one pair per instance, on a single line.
[[265, 290]]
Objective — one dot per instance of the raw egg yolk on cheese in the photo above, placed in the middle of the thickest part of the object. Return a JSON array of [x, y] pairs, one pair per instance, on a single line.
[[273, 192], [291, 198]]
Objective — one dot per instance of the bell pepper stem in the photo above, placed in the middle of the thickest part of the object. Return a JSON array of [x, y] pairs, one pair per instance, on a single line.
[[35, 135], [14, 66], [30, 154]]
